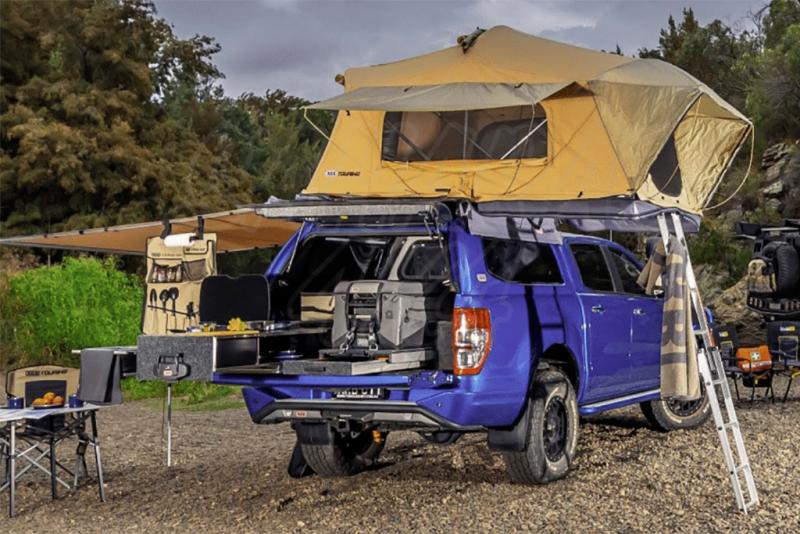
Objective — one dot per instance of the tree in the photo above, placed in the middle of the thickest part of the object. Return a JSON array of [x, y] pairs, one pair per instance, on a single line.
[[713, 53], [86, 137], [272, 140], [774, 99]]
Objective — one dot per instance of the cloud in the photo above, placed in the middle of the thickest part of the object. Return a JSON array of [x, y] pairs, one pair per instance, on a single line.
[[300, 45]]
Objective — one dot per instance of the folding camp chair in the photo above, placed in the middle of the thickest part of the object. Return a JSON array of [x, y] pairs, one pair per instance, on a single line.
[[750, 365], [728, 343], [783, 339], [757, 370]]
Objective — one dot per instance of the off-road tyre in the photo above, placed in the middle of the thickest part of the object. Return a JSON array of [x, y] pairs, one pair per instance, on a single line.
[[667, 415], [552, 439], [785, 262], [346, 455], [787, 270]]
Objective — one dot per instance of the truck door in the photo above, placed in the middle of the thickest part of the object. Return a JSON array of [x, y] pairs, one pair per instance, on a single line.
[[645, 318], [607, 324]]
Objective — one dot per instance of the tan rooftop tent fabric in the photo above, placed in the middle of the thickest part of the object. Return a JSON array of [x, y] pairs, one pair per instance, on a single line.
[[609, 119], [447, 97], [236, 230]]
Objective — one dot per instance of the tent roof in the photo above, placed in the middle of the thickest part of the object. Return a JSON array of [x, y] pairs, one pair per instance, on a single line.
[[446, 97], [237, 230], [499, 55]]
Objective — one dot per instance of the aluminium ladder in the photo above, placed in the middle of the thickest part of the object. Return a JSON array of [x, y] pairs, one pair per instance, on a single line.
[[713, 375]]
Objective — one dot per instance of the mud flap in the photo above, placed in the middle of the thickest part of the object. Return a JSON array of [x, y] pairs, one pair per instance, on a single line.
[[514, 438], [298, 467]]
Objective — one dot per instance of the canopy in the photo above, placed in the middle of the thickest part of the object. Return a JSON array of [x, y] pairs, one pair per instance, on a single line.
[[447, 97], [236, 230], [608, 126]]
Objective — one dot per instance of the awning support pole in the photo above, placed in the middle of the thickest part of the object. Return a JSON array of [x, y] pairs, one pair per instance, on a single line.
[[169, 424], [715, 381]]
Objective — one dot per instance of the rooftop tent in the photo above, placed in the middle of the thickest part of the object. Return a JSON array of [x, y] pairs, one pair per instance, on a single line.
[[515, 117], [236, 230]]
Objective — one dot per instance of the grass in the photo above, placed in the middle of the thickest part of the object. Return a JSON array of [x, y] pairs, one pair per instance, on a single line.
[[187, 396]]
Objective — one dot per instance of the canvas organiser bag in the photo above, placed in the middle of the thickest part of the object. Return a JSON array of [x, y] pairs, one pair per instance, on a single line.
[[194, 270], [760, 277], [172, 295]]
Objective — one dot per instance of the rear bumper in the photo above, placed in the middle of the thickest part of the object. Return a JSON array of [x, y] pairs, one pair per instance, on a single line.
[[400, 414]]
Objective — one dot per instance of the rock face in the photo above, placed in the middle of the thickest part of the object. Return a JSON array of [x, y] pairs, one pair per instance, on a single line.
[[782, 178], [729, 305], [730, 308]]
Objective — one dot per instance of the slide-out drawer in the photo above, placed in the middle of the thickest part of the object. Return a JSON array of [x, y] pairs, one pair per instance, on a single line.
[[202, 355]]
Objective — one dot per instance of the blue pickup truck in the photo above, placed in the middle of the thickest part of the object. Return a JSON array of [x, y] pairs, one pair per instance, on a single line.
[[387, 322]]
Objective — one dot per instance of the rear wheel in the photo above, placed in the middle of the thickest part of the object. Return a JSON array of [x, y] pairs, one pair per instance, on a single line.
[[346, 454], [673, 414], [552, 431]]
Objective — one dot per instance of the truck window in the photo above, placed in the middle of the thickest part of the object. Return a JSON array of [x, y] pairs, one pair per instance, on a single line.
[[424, 262], [593, 268], [521, 262], [628, 273]]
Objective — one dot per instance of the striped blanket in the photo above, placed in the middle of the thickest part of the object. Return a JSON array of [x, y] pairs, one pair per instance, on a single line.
[[679, 372]]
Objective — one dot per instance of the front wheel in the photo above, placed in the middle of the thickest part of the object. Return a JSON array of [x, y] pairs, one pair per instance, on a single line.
[[552, 438], [346, 454], [671, 414]]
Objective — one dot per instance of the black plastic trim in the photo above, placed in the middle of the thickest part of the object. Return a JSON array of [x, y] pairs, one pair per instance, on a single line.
[[335, 407]]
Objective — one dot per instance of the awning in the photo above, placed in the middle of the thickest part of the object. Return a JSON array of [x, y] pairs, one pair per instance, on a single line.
[[442, 97], [237, 230], [618, 214]]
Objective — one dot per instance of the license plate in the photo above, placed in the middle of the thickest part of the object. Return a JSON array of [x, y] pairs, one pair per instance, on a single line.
[[360, 393]]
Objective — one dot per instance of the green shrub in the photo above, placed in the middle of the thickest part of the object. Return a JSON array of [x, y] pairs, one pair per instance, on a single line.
[[716, 247], [83, 302], [189, 392]]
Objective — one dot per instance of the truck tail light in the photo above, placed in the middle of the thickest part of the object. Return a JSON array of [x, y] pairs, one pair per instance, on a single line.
[[472, 339]]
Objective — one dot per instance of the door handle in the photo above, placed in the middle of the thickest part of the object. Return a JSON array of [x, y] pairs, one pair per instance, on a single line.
[[598, 308], [638, 311]]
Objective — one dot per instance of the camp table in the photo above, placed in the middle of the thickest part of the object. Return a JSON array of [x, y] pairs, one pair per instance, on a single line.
[[40, 442]]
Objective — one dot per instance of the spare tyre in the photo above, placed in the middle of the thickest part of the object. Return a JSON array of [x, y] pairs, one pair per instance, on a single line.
[[787, 269]]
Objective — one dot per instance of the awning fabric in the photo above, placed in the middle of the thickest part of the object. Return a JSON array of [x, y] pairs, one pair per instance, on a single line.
[[445, 97], [236, 230], [611, 120]]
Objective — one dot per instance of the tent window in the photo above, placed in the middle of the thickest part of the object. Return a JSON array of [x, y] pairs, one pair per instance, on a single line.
[[665, 171], [494, 134]]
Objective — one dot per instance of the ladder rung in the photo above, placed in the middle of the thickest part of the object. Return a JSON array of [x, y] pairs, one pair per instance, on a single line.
[[731, 424], [740, 468]]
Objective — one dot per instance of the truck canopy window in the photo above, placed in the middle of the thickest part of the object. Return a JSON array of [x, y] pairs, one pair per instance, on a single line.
[[521, 262], [424, 263], [593, 268], [501, 133]]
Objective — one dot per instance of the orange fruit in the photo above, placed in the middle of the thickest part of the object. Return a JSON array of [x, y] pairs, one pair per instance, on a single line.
[[49, 396], [58, 399]]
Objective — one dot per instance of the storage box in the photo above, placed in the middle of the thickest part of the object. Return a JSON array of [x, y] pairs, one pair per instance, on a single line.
[[203, 355], [372, 314]]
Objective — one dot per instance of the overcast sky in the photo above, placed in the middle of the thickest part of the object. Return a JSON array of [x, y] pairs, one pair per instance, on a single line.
[[300, 45]]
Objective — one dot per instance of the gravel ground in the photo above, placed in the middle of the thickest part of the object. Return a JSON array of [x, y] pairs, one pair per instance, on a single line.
[[231, 475]]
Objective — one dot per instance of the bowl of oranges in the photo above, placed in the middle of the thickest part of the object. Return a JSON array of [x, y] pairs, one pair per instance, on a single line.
[[48, 400]]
